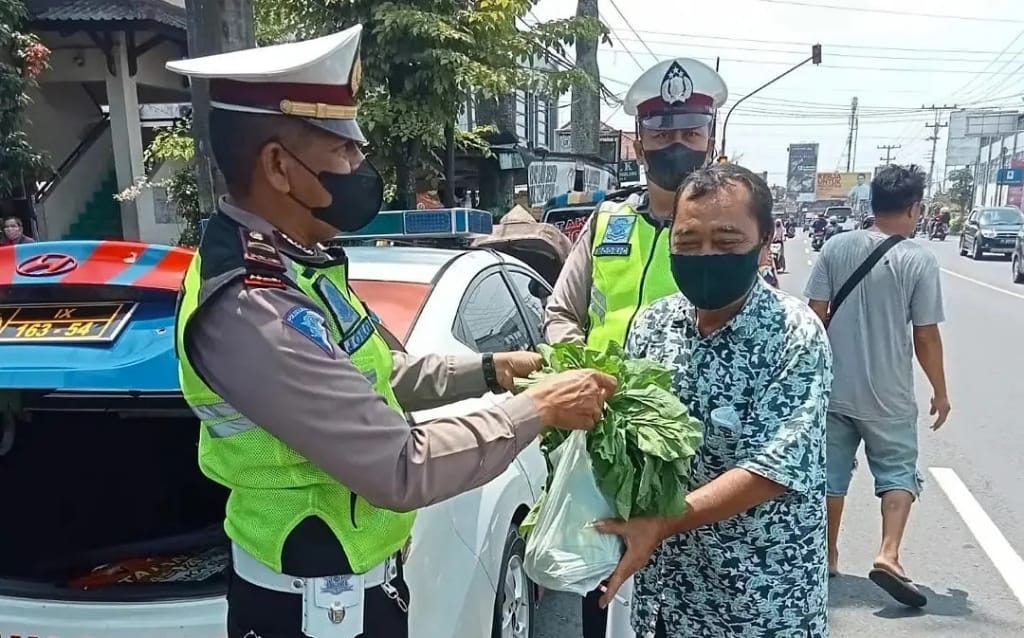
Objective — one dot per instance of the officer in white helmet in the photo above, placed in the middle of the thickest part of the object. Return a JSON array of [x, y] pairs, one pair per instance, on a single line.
[[620, 262]]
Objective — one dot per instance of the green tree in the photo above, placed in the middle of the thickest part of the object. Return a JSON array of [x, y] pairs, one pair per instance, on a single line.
[[961, 187], [22, 59], [421, 58], [175, 144]]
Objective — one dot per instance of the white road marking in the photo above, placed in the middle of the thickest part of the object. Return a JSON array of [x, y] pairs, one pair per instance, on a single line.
[[1006, 561], [982, 283]]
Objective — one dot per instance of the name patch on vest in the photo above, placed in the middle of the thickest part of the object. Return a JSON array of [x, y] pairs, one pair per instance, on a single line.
[[362, 333], [343, 311], [310, 325], [615, 241], [613, 250]]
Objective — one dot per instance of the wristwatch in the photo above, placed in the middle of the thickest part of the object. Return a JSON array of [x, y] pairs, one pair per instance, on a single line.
[[491, 374]]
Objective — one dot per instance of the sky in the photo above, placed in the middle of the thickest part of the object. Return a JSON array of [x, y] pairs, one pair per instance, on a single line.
[[893, 57]]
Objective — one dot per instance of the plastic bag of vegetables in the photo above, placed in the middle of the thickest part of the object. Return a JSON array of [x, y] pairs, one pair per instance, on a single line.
[[642, 448], [564, 551]]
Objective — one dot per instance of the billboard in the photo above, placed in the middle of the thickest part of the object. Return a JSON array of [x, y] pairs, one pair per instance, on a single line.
[[837, 185], [1015, 194], [803, 167], [961, 150], [551, 177]]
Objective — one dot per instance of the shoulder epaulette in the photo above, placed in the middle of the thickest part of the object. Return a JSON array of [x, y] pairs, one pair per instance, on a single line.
[[259, 252], [264, 265], [623, 193]]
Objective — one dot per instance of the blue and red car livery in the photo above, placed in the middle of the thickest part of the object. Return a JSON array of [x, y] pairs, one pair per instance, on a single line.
[[89, 316]]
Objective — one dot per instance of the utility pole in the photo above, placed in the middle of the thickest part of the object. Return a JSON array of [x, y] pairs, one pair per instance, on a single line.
[[214, 26], [888, 148], [586, 100], [851, 143], [934, 138]]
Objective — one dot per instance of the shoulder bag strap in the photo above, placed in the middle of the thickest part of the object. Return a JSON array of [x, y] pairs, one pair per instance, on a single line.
[[862, 272]]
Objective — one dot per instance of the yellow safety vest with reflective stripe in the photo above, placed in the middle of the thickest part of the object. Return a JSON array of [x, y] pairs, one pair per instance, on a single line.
[[273, 487], [630, 271]]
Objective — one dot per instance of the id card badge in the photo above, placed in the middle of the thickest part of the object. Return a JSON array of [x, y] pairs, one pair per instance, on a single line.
[[332, 606]]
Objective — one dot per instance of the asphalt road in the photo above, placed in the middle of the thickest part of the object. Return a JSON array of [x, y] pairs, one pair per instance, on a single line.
[[966, 534]]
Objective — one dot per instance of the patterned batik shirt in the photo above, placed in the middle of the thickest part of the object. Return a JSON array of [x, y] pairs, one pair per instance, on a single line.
[[760, 385]]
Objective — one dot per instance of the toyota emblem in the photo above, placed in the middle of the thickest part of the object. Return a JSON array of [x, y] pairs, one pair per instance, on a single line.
[[47, 265]]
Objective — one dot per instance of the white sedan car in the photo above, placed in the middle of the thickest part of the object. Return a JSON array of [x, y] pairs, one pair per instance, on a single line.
[[110, 531]]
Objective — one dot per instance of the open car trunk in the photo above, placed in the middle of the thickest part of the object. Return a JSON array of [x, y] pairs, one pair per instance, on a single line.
[[107, 504]]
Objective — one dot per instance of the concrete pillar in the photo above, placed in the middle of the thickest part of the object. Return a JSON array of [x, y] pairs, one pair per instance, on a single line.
[[126, 134]]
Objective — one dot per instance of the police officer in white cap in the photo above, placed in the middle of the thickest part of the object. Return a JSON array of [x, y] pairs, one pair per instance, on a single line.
[[620, 262], [301, 400]]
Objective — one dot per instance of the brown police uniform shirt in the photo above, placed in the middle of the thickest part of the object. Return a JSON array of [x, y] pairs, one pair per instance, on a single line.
[[320, 405]]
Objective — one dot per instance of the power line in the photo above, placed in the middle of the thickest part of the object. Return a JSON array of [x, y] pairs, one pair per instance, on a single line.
[[829, 45], [888, 148], [630, 26], [1009, 46], [837, 7], [826, 65], [832, 54]]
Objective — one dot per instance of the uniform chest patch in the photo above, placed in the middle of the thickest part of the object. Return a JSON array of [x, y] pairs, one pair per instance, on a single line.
[[343, 311], [311, 326], [615, 241]]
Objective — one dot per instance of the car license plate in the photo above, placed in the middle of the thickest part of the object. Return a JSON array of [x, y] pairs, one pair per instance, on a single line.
[[64, 323]]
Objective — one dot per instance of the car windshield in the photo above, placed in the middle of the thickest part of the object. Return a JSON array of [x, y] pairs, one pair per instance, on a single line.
[[1001, 216], [396, 302]]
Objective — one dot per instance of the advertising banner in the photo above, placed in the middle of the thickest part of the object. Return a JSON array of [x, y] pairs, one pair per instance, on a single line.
[[837, 185], [556, 176], [1015, 194], [803, 167]]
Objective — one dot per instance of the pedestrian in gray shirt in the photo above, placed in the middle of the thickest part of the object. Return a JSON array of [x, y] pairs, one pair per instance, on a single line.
[[890, 315]]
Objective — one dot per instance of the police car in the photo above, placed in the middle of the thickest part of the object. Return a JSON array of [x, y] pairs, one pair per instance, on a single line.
[[111, 531]]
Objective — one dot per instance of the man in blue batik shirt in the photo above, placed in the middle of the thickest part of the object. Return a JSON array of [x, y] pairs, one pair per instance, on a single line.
[[754, 365]]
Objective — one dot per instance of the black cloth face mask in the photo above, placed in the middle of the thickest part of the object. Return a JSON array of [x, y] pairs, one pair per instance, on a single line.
[[356, 197], [668, 167]]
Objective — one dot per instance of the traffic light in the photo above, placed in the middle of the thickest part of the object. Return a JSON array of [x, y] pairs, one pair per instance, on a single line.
[[723, 160], [816, 54]]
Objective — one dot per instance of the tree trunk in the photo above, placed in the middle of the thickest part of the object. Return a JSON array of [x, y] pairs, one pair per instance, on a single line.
[[586, 100], [214, 26], [449, 165], [496, 185], [405, 188]]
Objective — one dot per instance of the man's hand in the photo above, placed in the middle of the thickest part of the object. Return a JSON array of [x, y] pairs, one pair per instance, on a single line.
[[508, 366], [940, 410], [642, 536], [572, 400]]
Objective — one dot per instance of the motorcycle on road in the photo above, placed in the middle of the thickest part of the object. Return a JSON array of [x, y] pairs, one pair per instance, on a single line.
[[939, 231], [777, 257], [818, 241]]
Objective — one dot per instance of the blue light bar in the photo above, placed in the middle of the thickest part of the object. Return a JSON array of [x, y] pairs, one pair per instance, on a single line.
[[438, 224]]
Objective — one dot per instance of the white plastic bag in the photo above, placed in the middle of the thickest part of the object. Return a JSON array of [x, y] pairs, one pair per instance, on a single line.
[[564, 552]]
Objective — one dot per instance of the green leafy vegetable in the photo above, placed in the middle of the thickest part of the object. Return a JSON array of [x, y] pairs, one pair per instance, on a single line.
[[642, 447]]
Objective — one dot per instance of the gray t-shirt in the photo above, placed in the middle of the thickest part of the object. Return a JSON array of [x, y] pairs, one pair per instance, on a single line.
[[871, 334]]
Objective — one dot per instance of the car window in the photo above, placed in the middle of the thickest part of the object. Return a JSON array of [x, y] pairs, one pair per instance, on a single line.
[[1001, 216], [533, 293], [488, 319]]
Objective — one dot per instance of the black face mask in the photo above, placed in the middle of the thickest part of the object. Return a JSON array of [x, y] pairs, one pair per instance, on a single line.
[[356, 197], [668, 167]]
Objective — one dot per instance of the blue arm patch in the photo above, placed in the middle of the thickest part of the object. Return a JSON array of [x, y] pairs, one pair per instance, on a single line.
[[311, 325]]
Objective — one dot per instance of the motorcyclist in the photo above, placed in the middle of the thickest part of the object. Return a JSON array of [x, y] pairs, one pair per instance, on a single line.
[[780, 238], [833, 227], [819, 224]]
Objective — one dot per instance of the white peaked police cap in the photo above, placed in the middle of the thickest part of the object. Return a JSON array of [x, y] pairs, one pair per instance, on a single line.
[[680, 93], [316, 80]]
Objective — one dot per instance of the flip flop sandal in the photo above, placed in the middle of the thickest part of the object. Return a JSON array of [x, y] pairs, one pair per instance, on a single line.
[[901, 589]]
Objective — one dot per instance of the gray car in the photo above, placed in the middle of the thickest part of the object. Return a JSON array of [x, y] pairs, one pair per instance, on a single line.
[[991, 229]]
